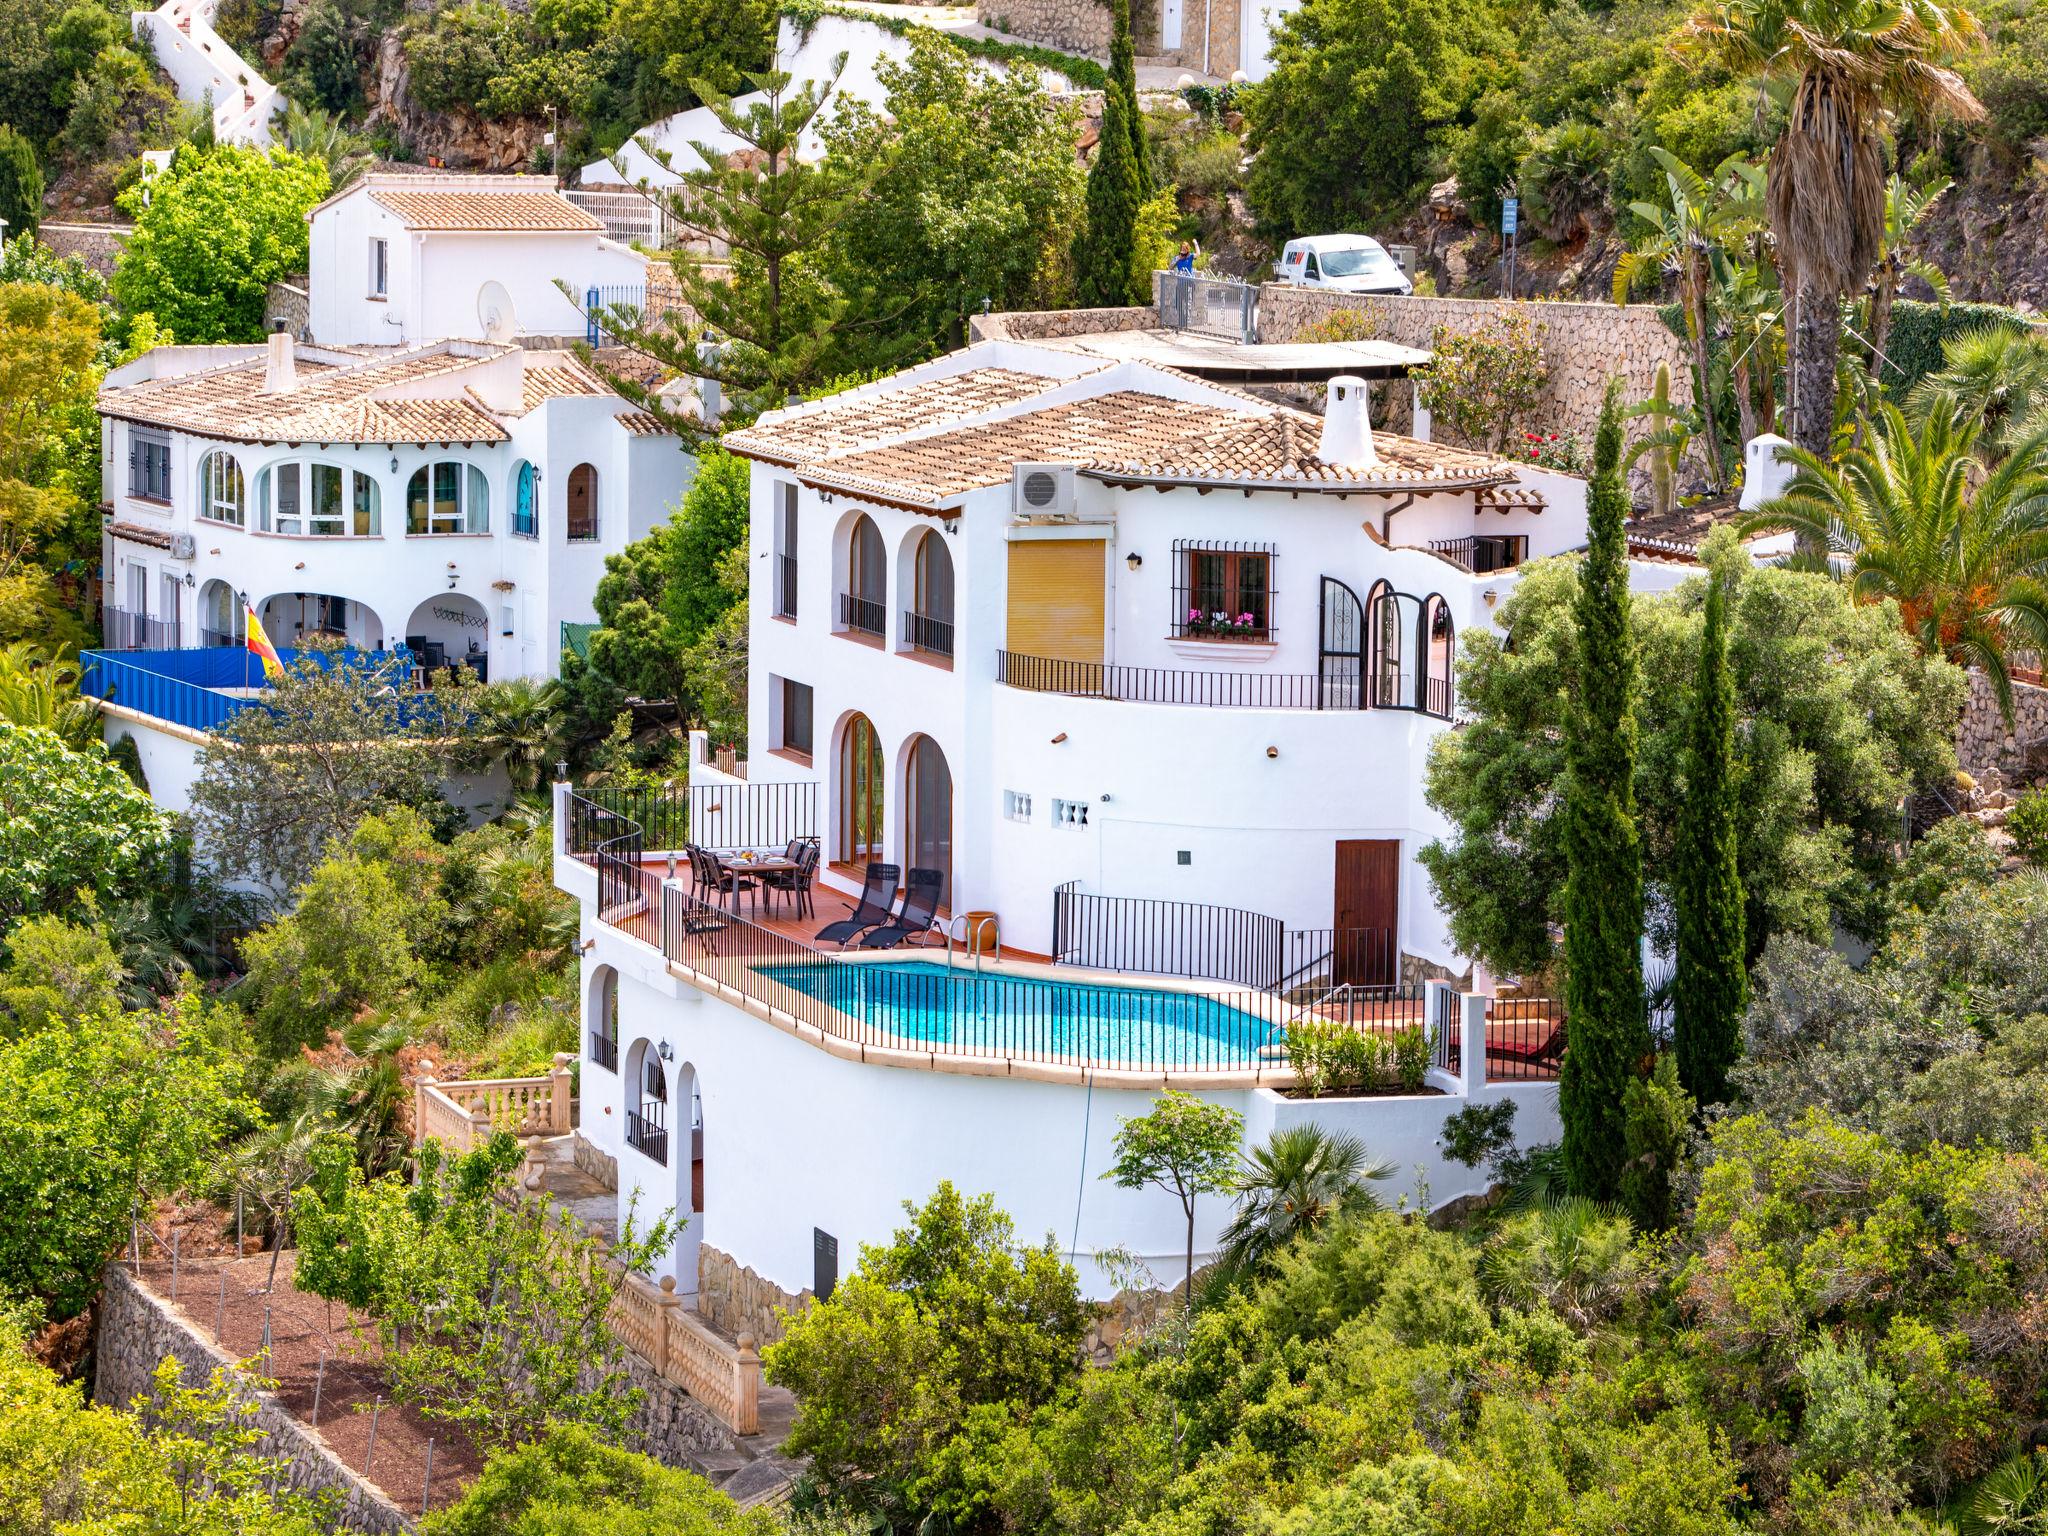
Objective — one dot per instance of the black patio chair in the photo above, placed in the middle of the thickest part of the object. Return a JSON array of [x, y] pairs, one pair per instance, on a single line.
[[877, 891], [715, 882], [796, 883], [920, 906]]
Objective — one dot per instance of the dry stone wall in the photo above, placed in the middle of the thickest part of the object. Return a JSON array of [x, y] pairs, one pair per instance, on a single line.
[[1078, 26], [1985, 743], [137, 1329], [732, 1297], [1045, 324], [1583, 344]]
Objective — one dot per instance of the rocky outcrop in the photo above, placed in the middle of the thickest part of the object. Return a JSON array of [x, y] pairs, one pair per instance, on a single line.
[[459, 140], [1991, 237]]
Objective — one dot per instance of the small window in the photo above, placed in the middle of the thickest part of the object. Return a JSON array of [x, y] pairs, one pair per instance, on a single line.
[[525, 512], [1070, 813], [380, 269], [1223, 591], [1017, 806], [447, 498], [222, 492], [785, 550], [582, 514], [149, 467], [796, 717]]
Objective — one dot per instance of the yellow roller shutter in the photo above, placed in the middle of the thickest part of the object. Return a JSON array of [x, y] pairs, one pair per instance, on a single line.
[[1056, 596]]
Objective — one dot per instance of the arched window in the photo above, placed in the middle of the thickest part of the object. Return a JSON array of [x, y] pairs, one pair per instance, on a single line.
[[863, 603], [1383, 646], [1441, 636], [320, 499], [604, 1020], [859, 793], [582, 504], [525, 502], [928, 626], [447, 497], [223, 495], [928, 827]]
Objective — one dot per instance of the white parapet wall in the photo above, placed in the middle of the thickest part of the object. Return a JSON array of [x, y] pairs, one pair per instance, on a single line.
[[205, 69]]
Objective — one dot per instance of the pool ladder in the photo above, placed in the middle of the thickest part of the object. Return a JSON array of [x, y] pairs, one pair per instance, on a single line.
[[972, 941]]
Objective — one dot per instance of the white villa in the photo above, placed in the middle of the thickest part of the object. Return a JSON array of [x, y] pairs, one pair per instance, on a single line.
[[1146, 669]]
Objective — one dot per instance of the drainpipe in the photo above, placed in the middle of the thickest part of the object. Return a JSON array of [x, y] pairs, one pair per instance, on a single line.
[[1387, 516]]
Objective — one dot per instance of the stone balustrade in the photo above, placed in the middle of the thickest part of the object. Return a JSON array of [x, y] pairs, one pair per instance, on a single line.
[[725, 1377], [463, 1113]]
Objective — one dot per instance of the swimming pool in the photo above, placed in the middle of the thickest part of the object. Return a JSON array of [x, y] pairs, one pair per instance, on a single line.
[[921, 1002]]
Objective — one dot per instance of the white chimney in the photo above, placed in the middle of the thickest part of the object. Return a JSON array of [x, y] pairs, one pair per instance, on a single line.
[[280, 365], [1347, 426], [1766, 473]]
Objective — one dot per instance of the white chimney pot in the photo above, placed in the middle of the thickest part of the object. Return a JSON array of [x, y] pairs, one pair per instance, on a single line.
[[1347, 425], [280, 365]]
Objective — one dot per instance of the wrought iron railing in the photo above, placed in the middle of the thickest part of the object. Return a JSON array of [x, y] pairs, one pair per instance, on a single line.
[[1170, 685], [219, 638], [1525, 1039], [604, 1051], [862, 614], [1185, 938], [125, 631], [926, 633], [785, 586], [1447, 1031], [1484, 552], [647, 1130]]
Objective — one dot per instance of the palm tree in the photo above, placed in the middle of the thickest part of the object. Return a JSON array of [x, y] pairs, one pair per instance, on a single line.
[[2012, 1500], [1754, 307], [326, 138], [1919, 520], [520, 719], [1575, 1256], [1293, 1184], [1688, 236], [1905, 205], [39, 688], [1851, 65], [1993, 375]]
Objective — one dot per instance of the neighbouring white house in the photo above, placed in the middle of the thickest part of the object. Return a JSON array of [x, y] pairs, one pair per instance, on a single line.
[[458, 497], [1144, 671], [396, 259]]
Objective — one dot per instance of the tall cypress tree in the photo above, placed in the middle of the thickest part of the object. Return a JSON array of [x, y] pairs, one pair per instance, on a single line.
[[1712, 983], [1607, 1029], [1123, 71], [1106, 250]]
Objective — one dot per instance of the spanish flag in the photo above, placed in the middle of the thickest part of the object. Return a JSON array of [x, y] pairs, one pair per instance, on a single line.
[[259, 642]]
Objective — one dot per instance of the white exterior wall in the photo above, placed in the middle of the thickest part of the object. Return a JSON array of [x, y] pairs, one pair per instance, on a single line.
[[796, 1138], [393, 575], [434, 277], [203, 67]]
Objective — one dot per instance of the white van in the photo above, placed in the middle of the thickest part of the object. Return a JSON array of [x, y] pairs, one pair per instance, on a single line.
[[1342, 263]]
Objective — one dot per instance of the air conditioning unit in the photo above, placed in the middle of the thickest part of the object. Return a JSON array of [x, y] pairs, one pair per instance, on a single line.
[[1043, 492], [184, 547]]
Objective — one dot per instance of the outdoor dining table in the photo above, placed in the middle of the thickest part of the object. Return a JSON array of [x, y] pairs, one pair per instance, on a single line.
[[746, 866]]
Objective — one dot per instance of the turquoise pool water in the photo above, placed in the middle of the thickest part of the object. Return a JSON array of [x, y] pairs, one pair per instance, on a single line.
[[927, 1003]]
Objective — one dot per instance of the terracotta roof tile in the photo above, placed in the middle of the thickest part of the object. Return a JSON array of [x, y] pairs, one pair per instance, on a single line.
[[521, 211], [1279, 448], [1504, 498], [141, 533], [838, 426], [643, 424], [552, 381]]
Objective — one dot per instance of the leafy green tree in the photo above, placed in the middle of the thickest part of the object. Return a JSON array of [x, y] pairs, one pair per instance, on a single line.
[[21, 184], [1187, 1147], [678, 47], [1838, 711], [106, 1111], [334, 743], [1656, 1117], [344, 948], [1343, 130], [767, 319], [974, 185], [211, 234], [569, 1482], [70, 823], [1481, 383], [323, 67], [50, 346], [458, 52], [1293, 1184], [950, 1323], [57, 971], [1711, 989], [1603, 896]]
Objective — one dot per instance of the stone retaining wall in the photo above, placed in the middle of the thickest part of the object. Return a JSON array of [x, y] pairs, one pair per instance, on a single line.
[[1583, 344], [1983, 740], [97, 245], [1042, 324], [137, 1329], [1078, 26], [733, 1297], [289, 302], [593, 1161]]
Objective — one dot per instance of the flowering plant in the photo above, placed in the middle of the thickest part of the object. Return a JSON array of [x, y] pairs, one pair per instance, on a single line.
[[1551, 450], [1221, 624]]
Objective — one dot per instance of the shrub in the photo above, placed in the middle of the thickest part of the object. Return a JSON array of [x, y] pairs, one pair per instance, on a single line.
[[1486, 154], [1481, 382], [2027, 821], [455, 57], [1411, 1058], [1563, 179], [2011, 79], [1333, 1058], [1913, 347], [1656, 1112], [21, 184]]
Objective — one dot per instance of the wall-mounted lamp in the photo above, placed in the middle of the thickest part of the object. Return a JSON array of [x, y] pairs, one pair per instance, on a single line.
[[1134, 560], [1059, 738], [1490, 597], [1272, 751], [668, 1052], [191, 580], [394, 463], [586, 946]]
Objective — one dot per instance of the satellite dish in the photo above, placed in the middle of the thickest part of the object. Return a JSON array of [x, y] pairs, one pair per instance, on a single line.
[[494, 312]]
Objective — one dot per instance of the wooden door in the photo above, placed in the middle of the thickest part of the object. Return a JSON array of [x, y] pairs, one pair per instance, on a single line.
[[1368, 902], [1056, 599]]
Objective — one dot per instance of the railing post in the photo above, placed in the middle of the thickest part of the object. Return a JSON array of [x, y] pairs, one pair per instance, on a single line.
[[558, 1096], [479, 1125], [746, 1388], [419, 1102], [665, 1306], [1472, 1057], [561, 793]]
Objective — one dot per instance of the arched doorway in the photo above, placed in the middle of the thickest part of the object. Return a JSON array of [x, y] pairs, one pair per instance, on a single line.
[[857, 800], [582, 516], [450, 630], [290, 618], [220, 614], [929, 621], [602, 1037], [525, 502], [928, 813], [864, 597], [1441, 636], [647, 1114]]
